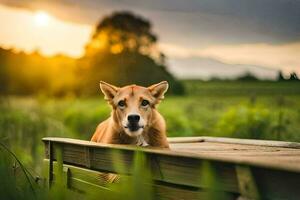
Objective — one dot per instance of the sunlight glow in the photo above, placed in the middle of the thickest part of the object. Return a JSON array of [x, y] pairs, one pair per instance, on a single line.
[[22, 29], [41, 18]]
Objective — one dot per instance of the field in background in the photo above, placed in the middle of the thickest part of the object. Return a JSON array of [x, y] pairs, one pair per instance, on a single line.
[[215, 109], [238, 88]]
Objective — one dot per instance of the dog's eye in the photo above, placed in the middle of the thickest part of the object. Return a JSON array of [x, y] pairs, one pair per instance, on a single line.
[[145, 103], [121, 104]]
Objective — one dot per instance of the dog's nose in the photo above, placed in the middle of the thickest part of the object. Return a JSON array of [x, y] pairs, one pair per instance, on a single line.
[[133, 118]]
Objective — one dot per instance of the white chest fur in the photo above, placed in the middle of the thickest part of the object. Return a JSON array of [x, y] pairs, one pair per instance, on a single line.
[[140, 141]]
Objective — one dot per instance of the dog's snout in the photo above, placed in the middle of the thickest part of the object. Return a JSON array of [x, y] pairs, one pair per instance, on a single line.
[[133, 118]]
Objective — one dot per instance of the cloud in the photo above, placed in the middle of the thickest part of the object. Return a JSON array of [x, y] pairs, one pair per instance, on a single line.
[[281, 56], [21, 32], [192, 22], [253, 33]]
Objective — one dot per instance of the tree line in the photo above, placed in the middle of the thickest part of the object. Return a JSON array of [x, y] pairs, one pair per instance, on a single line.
[[122, 50]]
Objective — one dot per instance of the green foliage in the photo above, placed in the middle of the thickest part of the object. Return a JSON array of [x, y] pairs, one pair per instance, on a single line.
[[247, 77], [242, 88], [122, 31], [22, 126], [280, 76], [293, 77], [23, 122], [12, 187], [123, 69], [121, 51], [17, 183], [82, 120], [209, 178], [135, 187], [245, 121]]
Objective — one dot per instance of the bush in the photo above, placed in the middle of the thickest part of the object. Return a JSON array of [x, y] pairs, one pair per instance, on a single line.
[[245, 121], [83, 121], [22, 130]]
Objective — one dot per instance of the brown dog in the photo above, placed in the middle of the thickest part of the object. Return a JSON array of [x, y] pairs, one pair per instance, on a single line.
[[134, 118]]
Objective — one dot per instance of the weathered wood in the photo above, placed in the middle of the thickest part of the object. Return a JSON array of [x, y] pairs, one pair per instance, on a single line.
[[247, 168], [79, 179], [282, 158], [270, 157], [84, 180], [49, 150], [167, 168], [169, 192], [266, 143], [247, 184], [277, 184]]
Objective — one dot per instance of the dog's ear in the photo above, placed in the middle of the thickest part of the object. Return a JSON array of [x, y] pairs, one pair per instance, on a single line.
[[158, 90], [108, 90]]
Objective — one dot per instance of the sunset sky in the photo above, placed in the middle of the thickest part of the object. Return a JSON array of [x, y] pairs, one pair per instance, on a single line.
[[201, 38]]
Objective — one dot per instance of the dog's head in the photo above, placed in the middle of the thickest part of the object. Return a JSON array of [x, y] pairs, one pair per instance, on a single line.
[[133, 105]]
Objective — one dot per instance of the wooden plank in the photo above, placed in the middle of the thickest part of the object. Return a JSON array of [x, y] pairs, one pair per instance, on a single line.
[[247, 184], [271, 157], [49, 147], [170, 192], [85, 187], [215, 146], [291, 164], [79, 179], [275, 184], [272, 184], [84, 180], [46, 172], [270, 143], [189, 172], [267, 143], [66, 176], [171, 169], [88, 175], [275, 168]]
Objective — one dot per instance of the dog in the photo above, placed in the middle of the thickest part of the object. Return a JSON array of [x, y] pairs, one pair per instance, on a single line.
[[134, 118]]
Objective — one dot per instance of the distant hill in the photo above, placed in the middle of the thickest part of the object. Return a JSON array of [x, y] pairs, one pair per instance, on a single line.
[[206, 68]]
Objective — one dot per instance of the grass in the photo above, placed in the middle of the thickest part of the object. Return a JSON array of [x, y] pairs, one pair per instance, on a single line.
[[242, 88], [24, 121], [272, 115], [18, 184]]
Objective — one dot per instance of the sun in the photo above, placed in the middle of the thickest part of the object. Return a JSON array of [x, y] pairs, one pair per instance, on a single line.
[[41, 18]]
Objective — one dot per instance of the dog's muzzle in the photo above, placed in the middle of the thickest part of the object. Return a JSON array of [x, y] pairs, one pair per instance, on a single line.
[[133, 123]]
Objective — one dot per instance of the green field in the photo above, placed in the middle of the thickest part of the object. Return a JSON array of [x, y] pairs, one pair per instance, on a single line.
[[232, 109], [24, 121], [242, 88]]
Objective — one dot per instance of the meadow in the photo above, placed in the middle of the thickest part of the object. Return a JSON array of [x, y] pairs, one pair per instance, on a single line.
[[220, 112], [56, 94], [226, 109]]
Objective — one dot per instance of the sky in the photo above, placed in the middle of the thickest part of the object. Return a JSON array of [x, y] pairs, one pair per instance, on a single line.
[[201, 38]]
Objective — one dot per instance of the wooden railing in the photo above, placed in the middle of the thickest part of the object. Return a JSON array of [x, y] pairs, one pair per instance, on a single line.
[[239, 166]]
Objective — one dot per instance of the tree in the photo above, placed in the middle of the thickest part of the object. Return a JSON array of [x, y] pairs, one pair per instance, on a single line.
[[122, 51], [122, 31], [3, 72], [280, 76], [293, 77], [247, 77]]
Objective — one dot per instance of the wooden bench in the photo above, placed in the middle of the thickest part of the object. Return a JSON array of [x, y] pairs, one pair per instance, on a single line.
[[251, 169]]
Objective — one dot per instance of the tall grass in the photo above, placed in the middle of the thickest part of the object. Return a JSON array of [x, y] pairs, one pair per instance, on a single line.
[[24, 121], [18, 184], [23, 124]]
